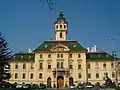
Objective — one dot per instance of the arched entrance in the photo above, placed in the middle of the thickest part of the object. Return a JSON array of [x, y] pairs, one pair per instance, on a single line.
[[49, 81], [70, 81], [60, 81]]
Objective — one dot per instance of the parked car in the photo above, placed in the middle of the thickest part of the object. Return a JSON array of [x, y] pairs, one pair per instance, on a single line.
[[26, 86], [80, 86], [73, 86], [89, 86], [34, 86], [19, 86], [42, 86]]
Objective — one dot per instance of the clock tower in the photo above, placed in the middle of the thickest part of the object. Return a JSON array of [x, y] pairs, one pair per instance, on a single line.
[[61, 26]]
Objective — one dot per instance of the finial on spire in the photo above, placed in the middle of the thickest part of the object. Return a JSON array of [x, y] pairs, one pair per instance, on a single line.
[[61, 14]]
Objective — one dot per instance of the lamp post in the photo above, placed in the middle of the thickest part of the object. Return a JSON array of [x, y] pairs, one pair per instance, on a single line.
[[114, 54]]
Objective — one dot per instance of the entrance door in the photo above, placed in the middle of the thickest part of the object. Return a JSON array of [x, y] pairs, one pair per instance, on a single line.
[[49, 82], [60, 81]]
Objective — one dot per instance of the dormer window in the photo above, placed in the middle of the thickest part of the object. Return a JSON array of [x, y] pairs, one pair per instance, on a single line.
[[74, 46], [21, 57], [46, 46], [29, 56]]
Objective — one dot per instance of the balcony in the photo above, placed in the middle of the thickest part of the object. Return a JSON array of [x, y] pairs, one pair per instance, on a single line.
[[61, 71]]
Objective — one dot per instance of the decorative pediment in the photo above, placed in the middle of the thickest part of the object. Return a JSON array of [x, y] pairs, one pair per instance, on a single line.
[[60, 47]]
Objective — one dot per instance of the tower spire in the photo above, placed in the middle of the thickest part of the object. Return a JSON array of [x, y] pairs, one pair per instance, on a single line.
[[61, 14]]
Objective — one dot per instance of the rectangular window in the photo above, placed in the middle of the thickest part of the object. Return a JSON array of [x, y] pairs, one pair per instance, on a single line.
[[41, 66], [16, 66], [24, 66], [58, 64], [89, 75], [88, 66], [79, 66], [61, 55], [113, 74], [61, 64], [97, 75], [16, 75], [31, 76], [49, 66], [71, 66], [40, 76], [79, 55], [96, 65], [58, 55], [112, 65], [106, 74], [24, 76], [70, 55], [79, 76], [32, 66]]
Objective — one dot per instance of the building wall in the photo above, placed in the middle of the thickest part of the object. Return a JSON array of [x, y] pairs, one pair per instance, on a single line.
[[96, 66]]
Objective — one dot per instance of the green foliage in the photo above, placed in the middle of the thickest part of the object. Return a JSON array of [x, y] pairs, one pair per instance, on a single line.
[[5, 57], [51, 3]]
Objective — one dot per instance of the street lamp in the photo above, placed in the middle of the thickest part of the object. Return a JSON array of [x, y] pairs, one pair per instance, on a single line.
[[114, 55]]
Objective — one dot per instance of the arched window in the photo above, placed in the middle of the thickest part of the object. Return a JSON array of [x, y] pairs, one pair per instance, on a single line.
[[79, 75], [61, 55], [56, 26], [60, 26], [58, 64], [41, 56], [64, 26], [40, 76], [79, 55], [61, 35], [49, 55], [24, 66], [58, 55]]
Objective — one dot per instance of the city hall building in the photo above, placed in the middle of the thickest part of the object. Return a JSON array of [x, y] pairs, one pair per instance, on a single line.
[[61, 62]]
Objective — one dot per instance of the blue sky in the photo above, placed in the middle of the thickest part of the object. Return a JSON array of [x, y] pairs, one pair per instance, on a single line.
[[27, 23]]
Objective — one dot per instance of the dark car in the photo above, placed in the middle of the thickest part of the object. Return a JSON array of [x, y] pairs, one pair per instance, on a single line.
[[42, 86], [34, 86]]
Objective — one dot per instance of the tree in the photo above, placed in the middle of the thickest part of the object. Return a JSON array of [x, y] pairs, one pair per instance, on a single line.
[[50, 3], [5, 57]]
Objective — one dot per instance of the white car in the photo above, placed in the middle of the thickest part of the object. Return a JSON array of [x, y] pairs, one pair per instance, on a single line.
[[72, 86], [89, 86], [19, 86]]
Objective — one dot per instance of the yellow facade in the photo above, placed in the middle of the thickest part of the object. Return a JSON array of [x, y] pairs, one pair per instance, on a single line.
[[61, 62]]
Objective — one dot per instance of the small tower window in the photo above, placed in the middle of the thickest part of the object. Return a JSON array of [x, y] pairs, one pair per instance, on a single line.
[[60, 26], [56, 26], [64, 26], [61, 35]]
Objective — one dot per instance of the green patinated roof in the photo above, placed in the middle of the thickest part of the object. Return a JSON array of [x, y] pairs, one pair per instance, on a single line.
[[100, 58], [95, 57], [23, 57], [73, 45]]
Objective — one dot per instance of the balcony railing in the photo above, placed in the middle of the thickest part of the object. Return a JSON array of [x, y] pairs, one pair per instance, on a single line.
[[60, 69]]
